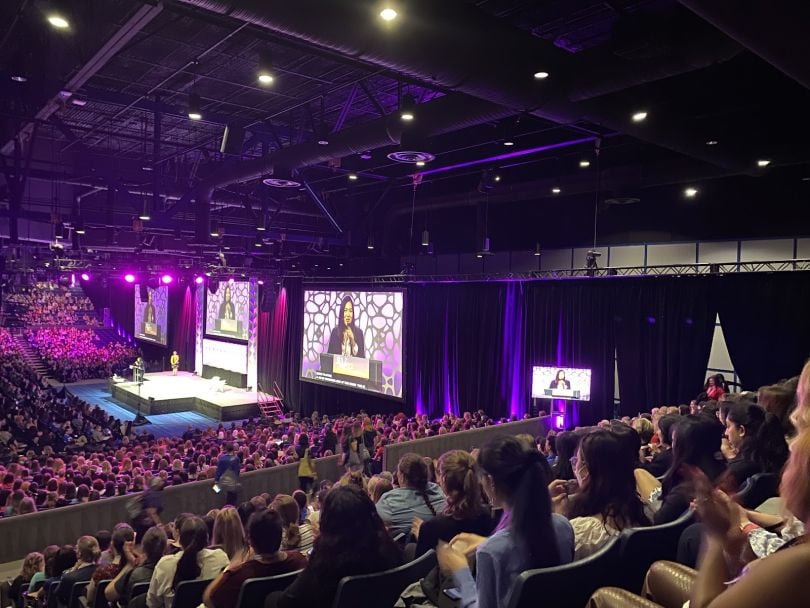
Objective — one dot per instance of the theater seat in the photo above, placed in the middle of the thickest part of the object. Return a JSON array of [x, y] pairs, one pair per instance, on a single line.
[[381, 589], [78, 590], [566, 586], [100, 601], [255, 590], [757, 489], [189, 593], [640, 547]]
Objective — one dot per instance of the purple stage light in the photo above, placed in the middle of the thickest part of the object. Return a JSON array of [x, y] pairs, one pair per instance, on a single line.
[[166, 279], [129, 278], [260, 282], [230, 280], [198, 280], [85, 276]]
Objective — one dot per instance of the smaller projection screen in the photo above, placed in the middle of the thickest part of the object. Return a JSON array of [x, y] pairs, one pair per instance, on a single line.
[[353, 340], [150, 313], [561, 383], [227, 311]]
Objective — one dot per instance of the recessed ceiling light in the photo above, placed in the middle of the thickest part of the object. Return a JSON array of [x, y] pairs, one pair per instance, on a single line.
[[711, 142], [353, 176], [420, 163], [58, 21], [508, 142], [388, 14], [639, 116], [195, 116], [19, 78], [806, 179], [540, 75], [265, 78], [479, 255], [690, 192], [406, 116], [556, 190], [584, 164], [763, 162], [497, 178]]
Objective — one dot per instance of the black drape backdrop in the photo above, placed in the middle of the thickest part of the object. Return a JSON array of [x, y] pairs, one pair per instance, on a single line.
[[766, 324]]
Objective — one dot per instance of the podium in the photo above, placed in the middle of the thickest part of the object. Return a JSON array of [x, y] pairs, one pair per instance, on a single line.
[[151, 330], [230, 326], [356, 368], [562, 393]]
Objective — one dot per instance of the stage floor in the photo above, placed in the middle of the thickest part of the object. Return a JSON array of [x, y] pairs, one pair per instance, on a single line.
[[162, 393]]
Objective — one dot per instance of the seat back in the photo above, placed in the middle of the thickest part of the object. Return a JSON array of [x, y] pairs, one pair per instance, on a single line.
[[255, 590], [100, 601], [757, 489], [138, 589], [640, 547], [189, 593], [566, 586], [381, 589], [76, 592]]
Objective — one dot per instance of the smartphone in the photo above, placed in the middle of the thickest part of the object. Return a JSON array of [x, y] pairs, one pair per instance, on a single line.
[[217, 489], [571, 486], [452, 593]]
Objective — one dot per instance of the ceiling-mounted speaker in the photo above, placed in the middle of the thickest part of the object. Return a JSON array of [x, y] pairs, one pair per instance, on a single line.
[[213, 286], [143, 292], [153, 282], [232, 140]]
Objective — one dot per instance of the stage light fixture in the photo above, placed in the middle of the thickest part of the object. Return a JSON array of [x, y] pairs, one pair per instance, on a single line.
[[584, 164], [556, 190], [353, 176], [85, 276], [166, 279], [261, 225], [215, 230], [537, 252], [407, 108], [425, 238], [58, 21], [690, 192], [19, 78], [763, 162], [496, 178], [420, 163], [540, 75], [639, 116], [388, 14], [198, 280], [129, 277], [711, 142], [194, 106], [370, 244], [144, 215], [78, 227]]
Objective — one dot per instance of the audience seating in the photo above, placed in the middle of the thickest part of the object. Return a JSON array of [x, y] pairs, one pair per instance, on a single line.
[[255, 590], [139, 589], [77, 592], [100, 601], [569, 585], [757, 489], [640, 547], [381, 589], [189, 593]]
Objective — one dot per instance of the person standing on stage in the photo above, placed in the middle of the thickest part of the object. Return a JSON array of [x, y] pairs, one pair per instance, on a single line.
[[175, 362], [137, 370]]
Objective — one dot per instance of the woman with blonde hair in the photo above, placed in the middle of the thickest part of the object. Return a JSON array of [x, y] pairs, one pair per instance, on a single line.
[[457, 474], [377, 486], [11, 592], [295, 537], [229, 534], [801, 414]]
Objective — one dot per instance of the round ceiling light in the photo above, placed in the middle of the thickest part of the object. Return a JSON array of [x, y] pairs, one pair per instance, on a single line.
[[411, 157]]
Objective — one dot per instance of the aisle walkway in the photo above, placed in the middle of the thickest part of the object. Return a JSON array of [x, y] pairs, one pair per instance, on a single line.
[[163, 425]]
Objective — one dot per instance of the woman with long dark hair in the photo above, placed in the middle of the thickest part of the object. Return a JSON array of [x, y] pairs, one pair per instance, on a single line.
[[566, 444], [607, 501], [416, 496], [758, 440], [352, 540], [528, 536], [193, 562], [696, 443]]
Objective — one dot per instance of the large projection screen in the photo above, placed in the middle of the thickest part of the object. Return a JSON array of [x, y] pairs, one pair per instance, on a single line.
[[228, 311], [353, 340], [150, 314]]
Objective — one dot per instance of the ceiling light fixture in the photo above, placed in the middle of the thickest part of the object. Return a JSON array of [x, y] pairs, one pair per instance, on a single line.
[[353, 176], [690, 192], [370, 245], [425, 238], [584, 164], [537, 252], [540, 75], [194, 106], [407, 108], [129, 277], [264, 73], [639, 116], [711, 142], [420, 163], [556, 190], [58, 21], [388, 14], [763, 162], [19, 78]]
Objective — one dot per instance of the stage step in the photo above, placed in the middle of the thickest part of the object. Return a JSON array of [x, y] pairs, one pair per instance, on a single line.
[[31, 358], [269, 406]]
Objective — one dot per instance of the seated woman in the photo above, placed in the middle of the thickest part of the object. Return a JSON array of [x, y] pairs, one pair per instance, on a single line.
[[138, 568], [228, 534], [465, 511], [265, 559], [11, 593], [193, 562], [566, 444], [296, 537], [528, 536], [607, 501], [758, 441], [415, 496], [122, 534], [353, 540], [696, 443]]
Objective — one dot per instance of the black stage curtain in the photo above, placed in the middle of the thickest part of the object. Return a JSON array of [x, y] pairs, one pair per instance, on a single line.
[[663, 328], [182, 326], [766, 324], [568, 324]]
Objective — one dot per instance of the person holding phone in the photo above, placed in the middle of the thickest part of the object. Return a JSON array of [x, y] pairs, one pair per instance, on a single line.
[[528, 536]]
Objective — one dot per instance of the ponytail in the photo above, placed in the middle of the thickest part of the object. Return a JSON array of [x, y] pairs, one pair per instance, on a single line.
[[193, 539], [292, 536]]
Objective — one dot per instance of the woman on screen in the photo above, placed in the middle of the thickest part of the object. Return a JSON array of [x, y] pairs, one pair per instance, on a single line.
[[346, 338], [560, 381], [149, 312], [226, 309]]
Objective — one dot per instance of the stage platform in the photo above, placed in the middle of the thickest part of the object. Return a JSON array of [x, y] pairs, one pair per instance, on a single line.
[[162, 393]]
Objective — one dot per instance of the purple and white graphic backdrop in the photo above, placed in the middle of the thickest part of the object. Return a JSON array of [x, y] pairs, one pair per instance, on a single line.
[[378, 315], [160, 300], [240, 296]]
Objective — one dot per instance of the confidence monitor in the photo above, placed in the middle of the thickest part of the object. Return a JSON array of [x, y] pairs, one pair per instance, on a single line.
[[353, 340], [555, 382]]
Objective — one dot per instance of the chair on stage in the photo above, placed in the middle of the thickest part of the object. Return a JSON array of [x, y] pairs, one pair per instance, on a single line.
[[217, 384]]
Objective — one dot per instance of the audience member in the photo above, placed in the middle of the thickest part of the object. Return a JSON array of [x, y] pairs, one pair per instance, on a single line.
[[416, 497]]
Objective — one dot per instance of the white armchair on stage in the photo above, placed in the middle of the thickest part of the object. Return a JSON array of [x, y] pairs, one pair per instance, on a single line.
[[217, 384]]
